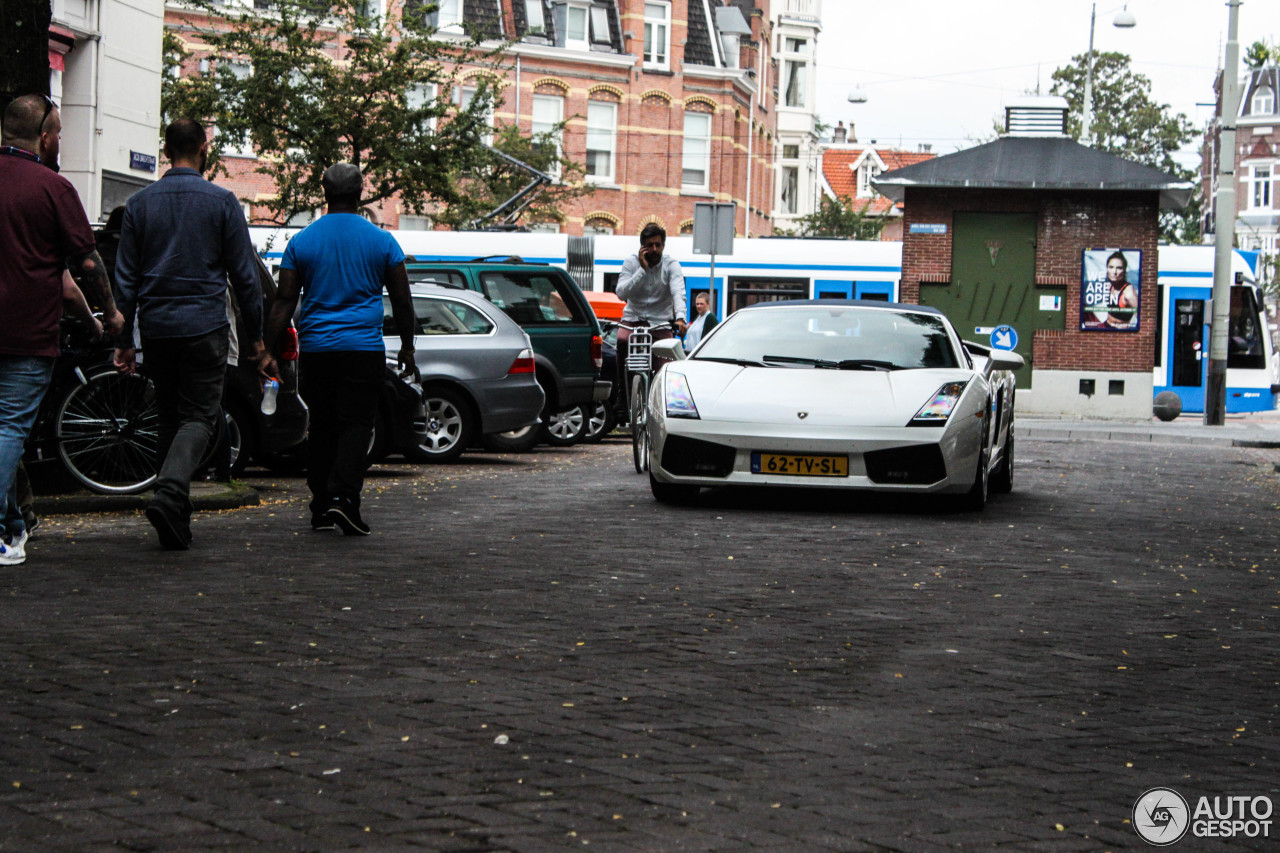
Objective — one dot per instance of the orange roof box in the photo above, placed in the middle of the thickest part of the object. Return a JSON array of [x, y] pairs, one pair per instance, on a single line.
[[606, 305]]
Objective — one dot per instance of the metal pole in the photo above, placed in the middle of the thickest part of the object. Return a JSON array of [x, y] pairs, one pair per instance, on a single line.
[[1224, 203], [1086, 108]]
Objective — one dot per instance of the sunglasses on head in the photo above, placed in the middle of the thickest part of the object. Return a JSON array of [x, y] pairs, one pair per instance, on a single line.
[[49, 106]]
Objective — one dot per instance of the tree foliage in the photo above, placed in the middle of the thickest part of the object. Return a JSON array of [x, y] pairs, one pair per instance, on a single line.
[[844, 218], [309, 84], [1261, 54], [1126, 121]]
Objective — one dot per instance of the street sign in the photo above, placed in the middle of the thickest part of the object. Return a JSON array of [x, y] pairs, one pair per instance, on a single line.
[[713, 224], [1004, 337]]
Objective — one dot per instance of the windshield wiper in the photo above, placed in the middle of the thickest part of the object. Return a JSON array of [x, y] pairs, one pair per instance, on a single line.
[[812, 362], [741, 362], [867, 364]]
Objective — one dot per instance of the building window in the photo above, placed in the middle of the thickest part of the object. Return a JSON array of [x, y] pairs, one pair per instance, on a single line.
[[463, 96], [657, 34], [600, 26], [548, 112], [551, 227], [790, 189], [1264, 101], [602, 140], [597, 227], [448, 15], [537, 24], [1260, 197], [419, 97], [866, 173], [791, 152], [241, 146], [573, 24], [697, 150], [795, 72]]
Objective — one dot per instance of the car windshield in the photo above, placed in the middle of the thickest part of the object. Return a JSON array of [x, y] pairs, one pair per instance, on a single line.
[[846, 338]]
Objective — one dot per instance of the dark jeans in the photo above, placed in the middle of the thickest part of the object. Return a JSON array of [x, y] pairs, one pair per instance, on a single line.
[[188, 374], [624, 335], [341, 390]]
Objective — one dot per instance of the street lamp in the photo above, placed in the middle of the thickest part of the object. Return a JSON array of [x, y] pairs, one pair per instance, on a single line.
[[1125, 20], [857, 95]]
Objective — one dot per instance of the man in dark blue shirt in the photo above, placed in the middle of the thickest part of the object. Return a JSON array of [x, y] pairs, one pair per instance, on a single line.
[[182, 238]]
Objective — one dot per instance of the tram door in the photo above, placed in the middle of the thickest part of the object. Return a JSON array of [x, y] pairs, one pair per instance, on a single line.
[[1188, 345]]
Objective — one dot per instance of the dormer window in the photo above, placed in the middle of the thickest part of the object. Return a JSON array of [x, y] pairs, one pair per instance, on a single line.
[[448, 15], [657, 34], [533, 14], [1264, 101], [867, 172]]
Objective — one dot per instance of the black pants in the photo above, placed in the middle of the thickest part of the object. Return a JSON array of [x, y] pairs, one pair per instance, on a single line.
[[341, 390], [188, 374]]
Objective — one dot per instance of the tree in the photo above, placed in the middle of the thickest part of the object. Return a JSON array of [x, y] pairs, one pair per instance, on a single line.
[[1127, 122], [24, 50], [842, 218], [1260, 54], [309, 85]]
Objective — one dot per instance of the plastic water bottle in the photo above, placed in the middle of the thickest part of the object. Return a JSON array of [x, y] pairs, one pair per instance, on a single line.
[[269, 392]]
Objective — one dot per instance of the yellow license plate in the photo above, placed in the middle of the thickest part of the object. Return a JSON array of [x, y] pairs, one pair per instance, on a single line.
[[799, 465]]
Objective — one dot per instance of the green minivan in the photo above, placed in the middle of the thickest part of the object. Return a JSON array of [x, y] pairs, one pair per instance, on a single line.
[[567, 345]]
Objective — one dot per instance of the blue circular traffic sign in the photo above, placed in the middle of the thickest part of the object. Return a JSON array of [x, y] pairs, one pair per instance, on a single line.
[[1004, 337]]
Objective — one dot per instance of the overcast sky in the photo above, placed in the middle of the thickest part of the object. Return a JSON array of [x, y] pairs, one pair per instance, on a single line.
[[940, 72]]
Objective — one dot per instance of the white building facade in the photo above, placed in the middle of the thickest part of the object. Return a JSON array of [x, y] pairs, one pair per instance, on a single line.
[[796, 26], [106, 64]]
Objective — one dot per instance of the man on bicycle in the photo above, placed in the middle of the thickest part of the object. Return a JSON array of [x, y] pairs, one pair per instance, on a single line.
[[652, 285]]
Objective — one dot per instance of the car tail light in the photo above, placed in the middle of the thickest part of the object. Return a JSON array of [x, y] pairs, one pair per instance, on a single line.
[[597, 351], [289, 345], [523, 363]]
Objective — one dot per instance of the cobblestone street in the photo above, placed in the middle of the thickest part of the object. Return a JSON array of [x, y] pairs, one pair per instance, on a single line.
[[531, 654]]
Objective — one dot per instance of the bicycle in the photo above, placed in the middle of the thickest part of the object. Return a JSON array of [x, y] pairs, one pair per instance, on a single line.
[[640, 370]]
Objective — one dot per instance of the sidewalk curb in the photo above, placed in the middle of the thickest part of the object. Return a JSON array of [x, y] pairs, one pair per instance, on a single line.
[[1138, 435], [204, 496]]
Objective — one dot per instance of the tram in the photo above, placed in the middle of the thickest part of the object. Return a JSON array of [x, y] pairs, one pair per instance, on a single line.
[[771, 269]]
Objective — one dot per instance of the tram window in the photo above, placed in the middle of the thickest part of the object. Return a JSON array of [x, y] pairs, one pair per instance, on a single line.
[[1244, 336], [750, 291], [611, 282]]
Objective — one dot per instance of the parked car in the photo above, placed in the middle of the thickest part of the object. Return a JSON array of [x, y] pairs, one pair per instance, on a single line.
[[833, 393], [476, 371], [565, 334]]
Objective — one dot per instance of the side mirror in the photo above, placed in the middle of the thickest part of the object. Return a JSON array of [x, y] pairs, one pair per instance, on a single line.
[[672, 348], [1000, 359]]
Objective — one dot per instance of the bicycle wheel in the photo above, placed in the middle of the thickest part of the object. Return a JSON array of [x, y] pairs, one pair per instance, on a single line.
[[107, 431], [640, 422]]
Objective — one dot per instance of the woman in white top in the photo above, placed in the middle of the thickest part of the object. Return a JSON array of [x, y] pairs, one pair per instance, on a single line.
[[701, 324]]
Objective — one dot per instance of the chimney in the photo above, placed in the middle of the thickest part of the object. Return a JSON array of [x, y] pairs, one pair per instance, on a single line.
[[838, 135], [926, 147]]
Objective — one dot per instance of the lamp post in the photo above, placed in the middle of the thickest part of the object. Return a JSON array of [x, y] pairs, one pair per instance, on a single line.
[[1224, 206], [1125, 20]]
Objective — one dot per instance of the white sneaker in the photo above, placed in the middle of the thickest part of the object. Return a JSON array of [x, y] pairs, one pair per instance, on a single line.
[[13, 554]]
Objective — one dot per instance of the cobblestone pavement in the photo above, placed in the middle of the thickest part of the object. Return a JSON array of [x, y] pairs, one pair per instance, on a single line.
[[530, 654]]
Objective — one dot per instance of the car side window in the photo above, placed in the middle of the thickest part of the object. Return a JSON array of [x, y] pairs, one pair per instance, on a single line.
[[438, 317], [453, 277], [531, 299]]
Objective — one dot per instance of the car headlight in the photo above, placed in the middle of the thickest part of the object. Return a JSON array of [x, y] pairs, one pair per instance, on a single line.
[[939, 408], [679, 398]]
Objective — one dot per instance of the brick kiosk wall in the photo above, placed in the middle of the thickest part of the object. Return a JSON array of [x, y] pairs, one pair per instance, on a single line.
[[1067, 223]]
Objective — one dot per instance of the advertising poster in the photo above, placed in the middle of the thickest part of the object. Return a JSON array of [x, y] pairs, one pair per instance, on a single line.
[[1109, 285]]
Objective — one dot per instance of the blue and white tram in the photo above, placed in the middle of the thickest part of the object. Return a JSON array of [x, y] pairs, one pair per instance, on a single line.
[[1182, 335], [769, 270]]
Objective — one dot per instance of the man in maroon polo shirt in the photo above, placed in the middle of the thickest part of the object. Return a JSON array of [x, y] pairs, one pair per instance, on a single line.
[[43, 230]]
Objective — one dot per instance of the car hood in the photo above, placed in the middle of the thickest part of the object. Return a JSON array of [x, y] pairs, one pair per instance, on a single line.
[[871, 398]]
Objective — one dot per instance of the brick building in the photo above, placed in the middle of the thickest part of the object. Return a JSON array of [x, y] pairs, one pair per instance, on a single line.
[[1021, 232], [668, 102]]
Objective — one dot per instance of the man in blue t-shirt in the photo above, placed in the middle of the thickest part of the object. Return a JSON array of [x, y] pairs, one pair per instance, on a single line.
[[340, 264]]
